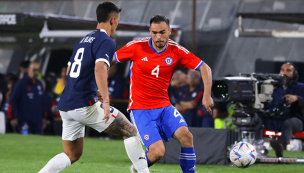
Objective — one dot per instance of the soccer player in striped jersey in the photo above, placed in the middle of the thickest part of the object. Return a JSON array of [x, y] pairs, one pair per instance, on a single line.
[[153, 61], [78, 103]]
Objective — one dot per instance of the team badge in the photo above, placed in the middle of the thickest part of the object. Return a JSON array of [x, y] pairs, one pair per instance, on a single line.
[[168, 60], [194, 94], [146, 137]]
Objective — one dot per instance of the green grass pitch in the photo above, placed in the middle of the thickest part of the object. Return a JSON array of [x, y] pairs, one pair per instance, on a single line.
[[30, 153]]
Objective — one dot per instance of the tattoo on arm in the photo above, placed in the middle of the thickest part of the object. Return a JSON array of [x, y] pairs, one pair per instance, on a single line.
[[121, 127]]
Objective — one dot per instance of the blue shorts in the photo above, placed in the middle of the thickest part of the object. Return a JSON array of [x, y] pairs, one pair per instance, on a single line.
[[156, 124]]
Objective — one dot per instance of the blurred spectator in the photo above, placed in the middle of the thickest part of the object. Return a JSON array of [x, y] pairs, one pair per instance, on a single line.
[[179, 79], [61, 82], [24, 65], [189, 99], [222, 111], [115, 84], [204, 119], [50, 81], [50, 108], [27, 103], [11, 80], [54, 123], [2, 90]]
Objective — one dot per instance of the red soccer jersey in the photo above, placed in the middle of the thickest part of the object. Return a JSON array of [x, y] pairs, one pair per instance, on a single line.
[[151, 71]]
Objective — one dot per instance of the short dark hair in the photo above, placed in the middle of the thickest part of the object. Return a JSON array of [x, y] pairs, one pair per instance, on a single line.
[[159, 18], [104, 10], [24, 64]]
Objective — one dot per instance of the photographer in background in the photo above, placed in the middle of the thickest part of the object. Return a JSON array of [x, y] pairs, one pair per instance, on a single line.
[[189, 99], [178, 81], [293, 116]]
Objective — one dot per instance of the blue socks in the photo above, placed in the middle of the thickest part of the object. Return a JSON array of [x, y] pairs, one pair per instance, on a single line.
[[187, 160], [149, 162]]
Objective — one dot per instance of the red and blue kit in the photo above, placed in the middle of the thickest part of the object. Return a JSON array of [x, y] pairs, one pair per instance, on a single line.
[[150, 74], [151, 71]]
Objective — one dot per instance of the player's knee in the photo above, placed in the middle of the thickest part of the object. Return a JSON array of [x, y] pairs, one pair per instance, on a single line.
[[74, 156], [187, 139], [155, 155], [158, 156]]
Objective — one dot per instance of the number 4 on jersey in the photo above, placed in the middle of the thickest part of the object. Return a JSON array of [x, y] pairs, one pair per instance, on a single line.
[[176, 113], [155, 71]]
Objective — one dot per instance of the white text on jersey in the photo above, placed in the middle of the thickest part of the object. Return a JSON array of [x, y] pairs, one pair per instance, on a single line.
[[87, 39]]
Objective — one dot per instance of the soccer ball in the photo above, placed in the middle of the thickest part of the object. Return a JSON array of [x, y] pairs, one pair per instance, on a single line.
[[243, 154], [295, 145]]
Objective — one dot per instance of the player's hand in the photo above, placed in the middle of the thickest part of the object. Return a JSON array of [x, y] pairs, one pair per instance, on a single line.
[[99, 97], [14, 122], [106, 108], [208, 103], [291, 98]]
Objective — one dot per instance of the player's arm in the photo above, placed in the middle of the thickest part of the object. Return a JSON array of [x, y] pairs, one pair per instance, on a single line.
[[68, 69], [189, 60], [206, 74], [101, 76]]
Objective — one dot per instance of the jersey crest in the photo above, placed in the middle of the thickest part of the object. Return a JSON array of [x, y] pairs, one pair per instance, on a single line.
[[168, 60]]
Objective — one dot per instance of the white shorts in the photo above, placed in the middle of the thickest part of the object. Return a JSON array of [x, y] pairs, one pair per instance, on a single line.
[[74, 121]]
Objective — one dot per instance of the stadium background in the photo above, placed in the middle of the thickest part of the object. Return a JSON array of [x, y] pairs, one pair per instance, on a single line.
[[212, 39], [214, 27]]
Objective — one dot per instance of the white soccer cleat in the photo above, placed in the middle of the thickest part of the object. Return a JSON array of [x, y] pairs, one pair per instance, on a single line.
[[132, 169]]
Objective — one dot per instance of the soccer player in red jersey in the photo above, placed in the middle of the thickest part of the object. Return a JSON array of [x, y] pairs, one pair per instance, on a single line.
[[78, 106], [153, 61]]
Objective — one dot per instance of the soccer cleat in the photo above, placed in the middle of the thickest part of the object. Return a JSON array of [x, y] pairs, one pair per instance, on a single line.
[[132, 169]]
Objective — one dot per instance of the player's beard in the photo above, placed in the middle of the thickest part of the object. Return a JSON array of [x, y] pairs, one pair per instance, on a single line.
[[160, 44]]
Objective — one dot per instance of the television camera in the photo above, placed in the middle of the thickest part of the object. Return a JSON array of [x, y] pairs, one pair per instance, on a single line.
[[250, 93]]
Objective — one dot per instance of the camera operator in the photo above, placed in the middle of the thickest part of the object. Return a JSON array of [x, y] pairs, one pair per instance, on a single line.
[[293, 116]]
